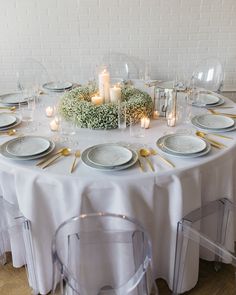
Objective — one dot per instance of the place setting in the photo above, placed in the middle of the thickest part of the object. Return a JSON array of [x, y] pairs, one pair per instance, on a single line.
[[27, 148], [12, 100], [206, 99], [183, 146], [8, 121], [58, 86], [109, 157], [216, 123]]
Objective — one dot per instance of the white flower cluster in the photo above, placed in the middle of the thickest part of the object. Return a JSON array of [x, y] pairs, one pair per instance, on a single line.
[[76, 106]]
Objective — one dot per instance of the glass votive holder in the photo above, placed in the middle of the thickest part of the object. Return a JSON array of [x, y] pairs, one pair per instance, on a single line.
[[121, 109], [135, 129]]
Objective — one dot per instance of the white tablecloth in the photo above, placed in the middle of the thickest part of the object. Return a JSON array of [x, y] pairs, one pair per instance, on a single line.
[[158, 200]]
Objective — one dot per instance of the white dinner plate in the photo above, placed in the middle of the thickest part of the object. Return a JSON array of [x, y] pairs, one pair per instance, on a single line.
[[27, 146], [184, 144], [85, 160], [207, 99], [160, 145], [194, 122], [200, 105], [109, 155], [57, 86], [5, 153], [17, 122], [210, 121], [6, 119], [13, 98]]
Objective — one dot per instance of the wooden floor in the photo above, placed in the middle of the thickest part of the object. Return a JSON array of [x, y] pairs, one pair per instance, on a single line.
[[14, 282]]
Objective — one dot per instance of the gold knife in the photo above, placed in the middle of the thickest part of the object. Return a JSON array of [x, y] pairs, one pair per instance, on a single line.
[[223, 136], [52, 156], [141, 164], [168, 162]]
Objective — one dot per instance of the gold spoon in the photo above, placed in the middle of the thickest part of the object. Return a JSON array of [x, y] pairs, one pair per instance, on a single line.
[[145, 153], [9, 132], [77, 155], [65, 152], [212, 142]]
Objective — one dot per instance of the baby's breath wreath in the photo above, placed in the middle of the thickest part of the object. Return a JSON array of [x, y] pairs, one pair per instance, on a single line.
[[76, 106]]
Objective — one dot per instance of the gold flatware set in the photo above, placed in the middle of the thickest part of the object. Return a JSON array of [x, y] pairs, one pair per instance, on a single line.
[[233, 116], [213, 143], [63, 152], [146, 153]]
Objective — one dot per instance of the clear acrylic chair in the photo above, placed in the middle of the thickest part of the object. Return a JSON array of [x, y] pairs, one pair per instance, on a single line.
[[207, 232], [102, 253], [208, 75], [15, 236], [31, 76]]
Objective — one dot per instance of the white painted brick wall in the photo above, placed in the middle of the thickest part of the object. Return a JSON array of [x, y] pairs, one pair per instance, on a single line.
[[70, 37]]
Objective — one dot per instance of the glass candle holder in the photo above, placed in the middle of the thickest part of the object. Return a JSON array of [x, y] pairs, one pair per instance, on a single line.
[[171, 111]]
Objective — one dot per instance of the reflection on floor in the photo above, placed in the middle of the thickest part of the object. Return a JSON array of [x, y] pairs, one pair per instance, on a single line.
[[13, 281]]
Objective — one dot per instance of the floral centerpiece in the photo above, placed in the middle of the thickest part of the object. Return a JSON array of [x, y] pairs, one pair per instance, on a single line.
[[76, 105]]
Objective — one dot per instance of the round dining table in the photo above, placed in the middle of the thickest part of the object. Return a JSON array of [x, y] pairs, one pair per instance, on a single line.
[[158, 199]]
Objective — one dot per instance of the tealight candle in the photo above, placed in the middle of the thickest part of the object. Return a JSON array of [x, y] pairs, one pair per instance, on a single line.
[[155, 115], [54, 125], [145, 122], [171, 120], [96, 99], [49, 111], [115, 93], [104, 85]]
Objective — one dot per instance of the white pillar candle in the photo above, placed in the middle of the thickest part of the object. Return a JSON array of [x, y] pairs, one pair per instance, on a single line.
[[54, 126], [49, 111], [115, 93], [96, 99], [145, 122], [104, 85]]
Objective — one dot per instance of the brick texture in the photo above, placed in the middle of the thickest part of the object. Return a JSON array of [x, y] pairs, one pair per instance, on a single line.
[[71, 37]]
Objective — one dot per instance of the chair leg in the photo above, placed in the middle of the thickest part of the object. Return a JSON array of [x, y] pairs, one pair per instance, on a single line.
[[30, 262], [223, 222], [180, 255], [3, 258]]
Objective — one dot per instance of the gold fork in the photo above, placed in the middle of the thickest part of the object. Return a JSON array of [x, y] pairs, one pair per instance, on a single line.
[[77, 155], [168, 162]]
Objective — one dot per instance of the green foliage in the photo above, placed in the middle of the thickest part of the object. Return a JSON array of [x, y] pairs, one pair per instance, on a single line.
[[76, 106]]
